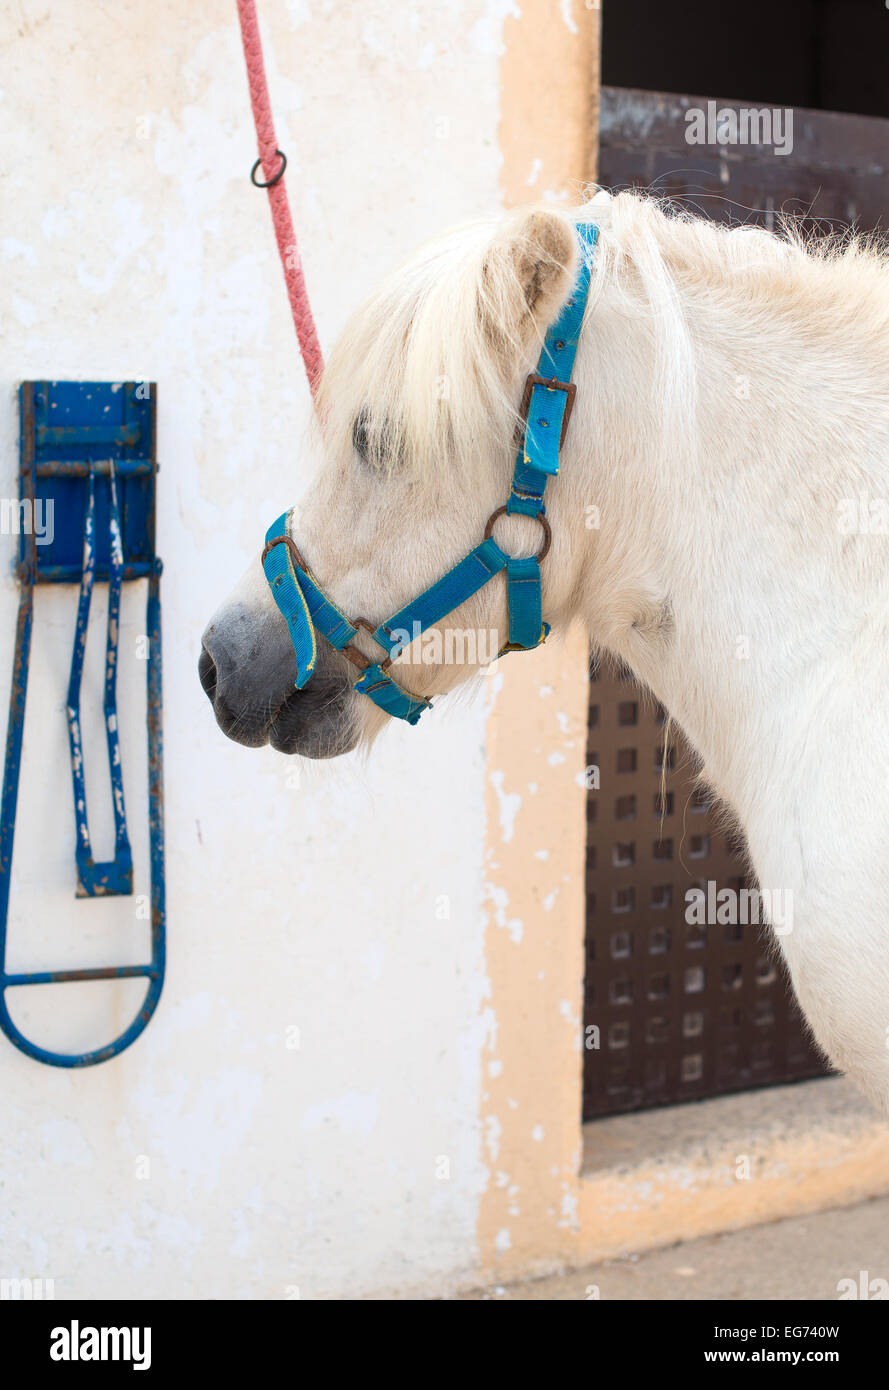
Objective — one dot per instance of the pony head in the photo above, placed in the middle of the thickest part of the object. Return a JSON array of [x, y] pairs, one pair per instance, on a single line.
[[415, 430]]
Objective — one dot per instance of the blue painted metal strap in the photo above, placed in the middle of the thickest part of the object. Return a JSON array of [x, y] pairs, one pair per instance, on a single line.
[[94, 533], [113, 876], [123, 855]]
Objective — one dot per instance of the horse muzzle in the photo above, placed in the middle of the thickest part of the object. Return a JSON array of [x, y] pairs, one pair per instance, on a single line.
[[248, 671]]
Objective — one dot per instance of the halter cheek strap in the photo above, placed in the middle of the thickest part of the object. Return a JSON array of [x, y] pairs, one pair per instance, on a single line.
[[308, 609]]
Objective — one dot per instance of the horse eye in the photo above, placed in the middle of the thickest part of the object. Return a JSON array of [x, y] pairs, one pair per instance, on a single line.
[[376, 443], [359, 436]]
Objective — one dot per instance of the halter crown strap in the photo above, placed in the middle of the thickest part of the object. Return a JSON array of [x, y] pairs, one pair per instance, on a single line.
[[547, 404], [549, 393], [308, 609]]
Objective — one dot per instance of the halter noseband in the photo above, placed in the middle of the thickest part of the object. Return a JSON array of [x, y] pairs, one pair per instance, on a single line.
[[546, 407]]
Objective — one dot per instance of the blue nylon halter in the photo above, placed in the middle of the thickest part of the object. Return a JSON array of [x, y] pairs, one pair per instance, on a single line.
[[546, 407]]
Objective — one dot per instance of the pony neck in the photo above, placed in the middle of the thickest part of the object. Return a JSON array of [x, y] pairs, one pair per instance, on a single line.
[[719, 571]]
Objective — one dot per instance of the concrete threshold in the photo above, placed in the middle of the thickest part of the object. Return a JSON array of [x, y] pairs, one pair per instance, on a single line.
[[663, 1176], [823, 1257]]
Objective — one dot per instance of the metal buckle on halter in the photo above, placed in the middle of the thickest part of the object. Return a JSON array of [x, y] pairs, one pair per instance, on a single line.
[[517, 646], [357, 657], [552, 384], [291, 546]]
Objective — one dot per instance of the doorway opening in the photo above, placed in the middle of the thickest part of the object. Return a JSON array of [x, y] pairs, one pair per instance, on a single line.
[[679, 1011]]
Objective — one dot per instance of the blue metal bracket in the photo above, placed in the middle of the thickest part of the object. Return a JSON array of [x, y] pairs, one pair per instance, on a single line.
[[96, 880], [88, 470]]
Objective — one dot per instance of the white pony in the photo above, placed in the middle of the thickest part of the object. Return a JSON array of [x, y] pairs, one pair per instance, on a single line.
[[731, 428]]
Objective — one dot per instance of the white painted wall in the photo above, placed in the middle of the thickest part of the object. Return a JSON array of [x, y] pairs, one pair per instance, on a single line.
[[134, 247]]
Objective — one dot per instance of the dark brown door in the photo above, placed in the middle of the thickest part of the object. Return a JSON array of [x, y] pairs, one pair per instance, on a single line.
[[836, 173], [677, 1011]]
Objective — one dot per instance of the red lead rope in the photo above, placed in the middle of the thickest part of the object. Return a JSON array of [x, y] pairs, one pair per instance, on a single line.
[[273, 164]]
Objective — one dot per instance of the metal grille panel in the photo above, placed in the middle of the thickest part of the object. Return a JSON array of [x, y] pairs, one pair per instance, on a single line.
[[673, 1011], [684, 1012]]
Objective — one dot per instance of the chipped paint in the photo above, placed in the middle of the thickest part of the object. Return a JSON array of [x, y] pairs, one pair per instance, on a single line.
[[509, 805], [536, 729]]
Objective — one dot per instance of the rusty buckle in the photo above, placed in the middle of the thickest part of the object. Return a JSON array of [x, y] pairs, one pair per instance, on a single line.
[[552, 384], [358, 658]]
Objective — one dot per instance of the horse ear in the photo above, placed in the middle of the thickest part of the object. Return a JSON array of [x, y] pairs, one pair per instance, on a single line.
[[527, 275]]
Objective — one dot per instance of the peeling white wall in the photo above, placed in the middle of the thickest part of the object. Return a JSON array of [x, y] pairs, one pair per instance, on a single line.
[[213, 1160]]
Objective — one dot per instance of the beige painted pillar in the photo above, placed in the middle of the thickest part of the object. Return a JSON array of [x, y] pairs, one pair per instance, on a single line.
[[536, 756]]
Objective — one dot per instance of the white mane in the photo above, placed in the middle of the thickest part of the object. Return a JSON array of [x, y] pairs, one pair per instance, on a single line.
[[418, 355]]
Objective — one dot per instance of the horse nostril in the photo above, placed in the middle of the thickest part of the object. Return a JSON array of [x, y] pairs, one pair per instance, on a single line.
[[207, 673]]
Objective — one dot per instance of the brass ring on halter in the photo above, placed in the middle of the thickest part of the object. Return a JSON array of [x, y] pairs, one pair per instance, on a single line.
[[547, 529]]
